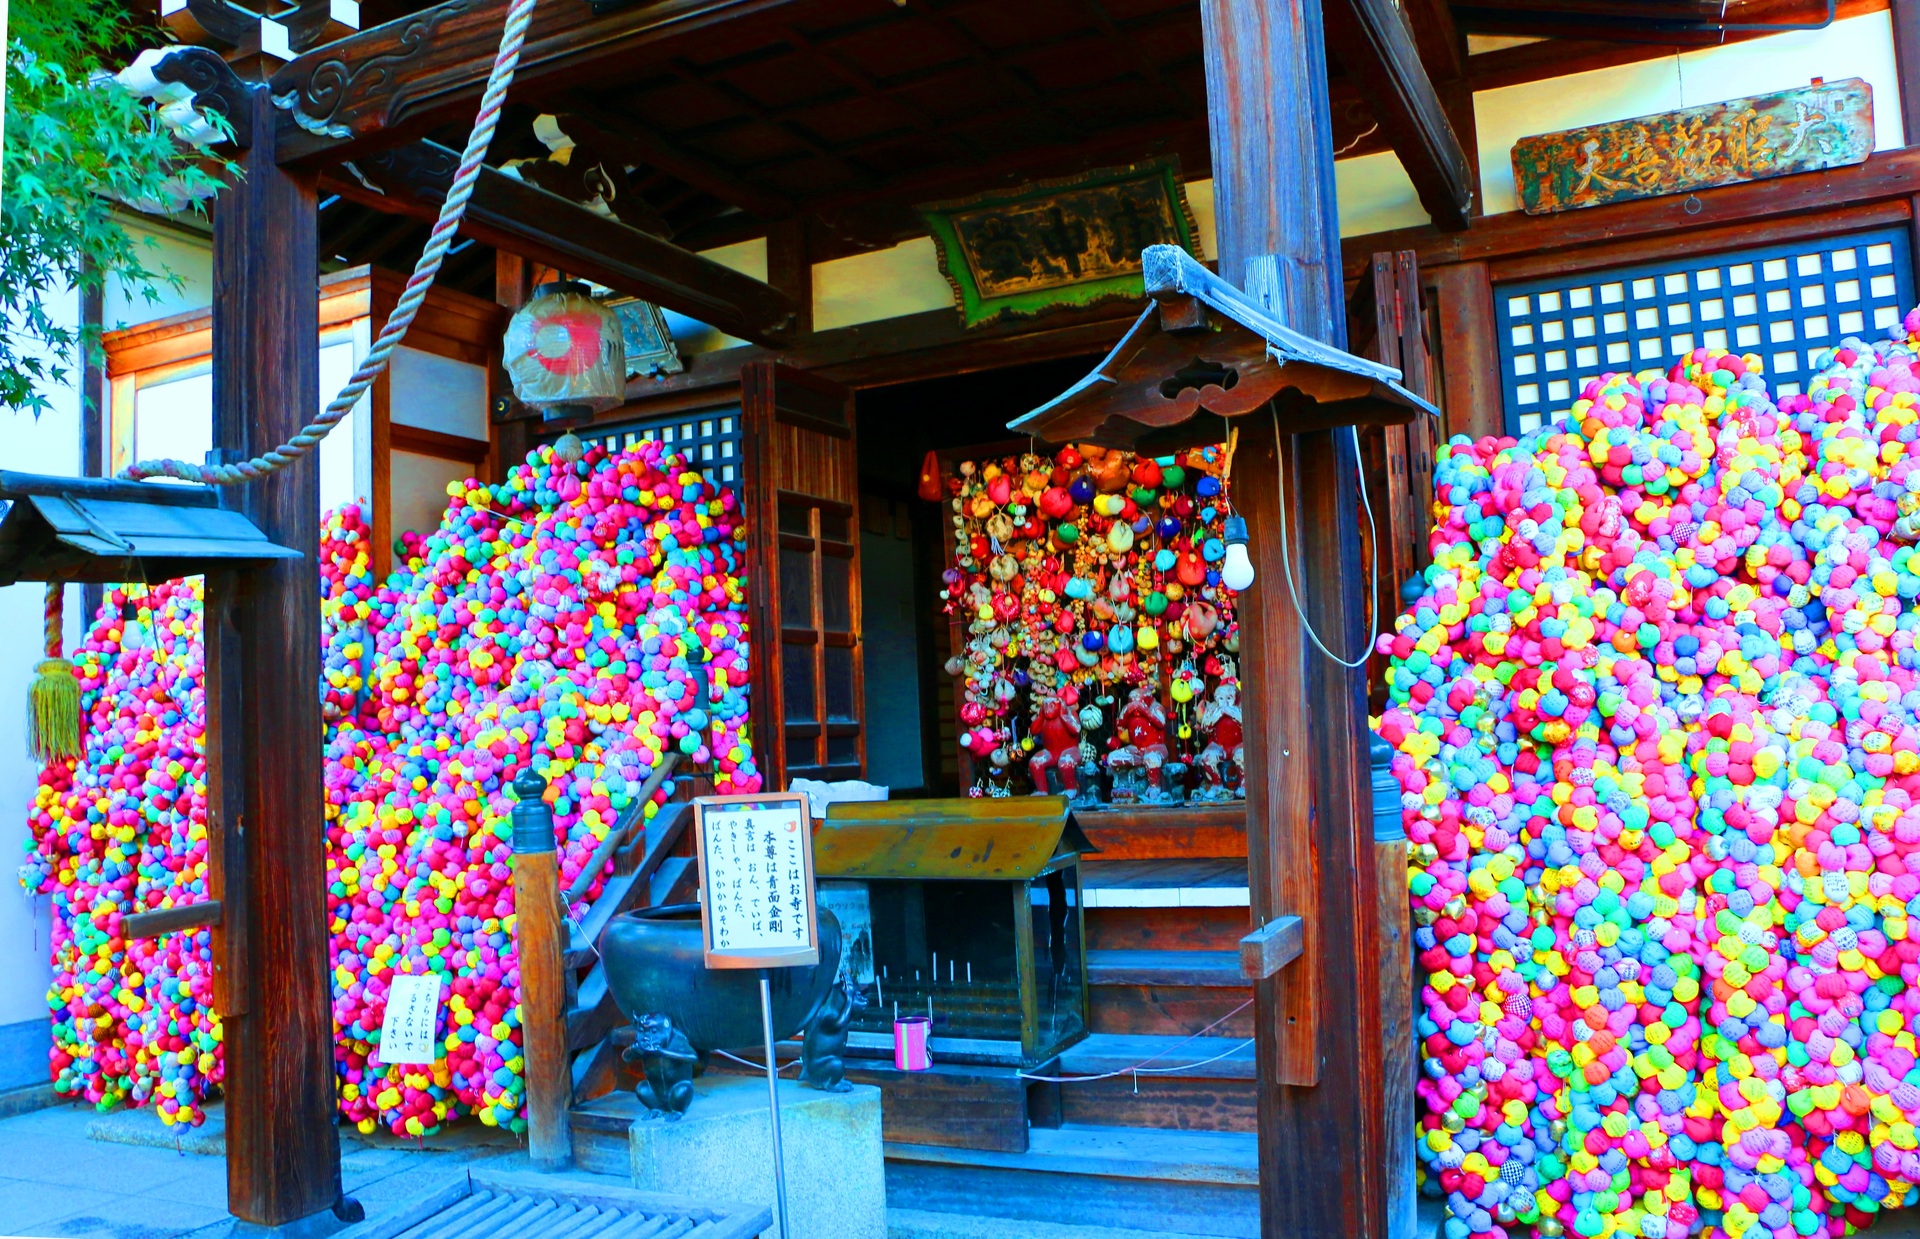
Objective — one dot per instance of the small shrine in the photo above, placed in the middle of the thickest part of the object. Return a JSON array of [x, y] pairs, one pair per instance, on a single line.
[[968, 912]]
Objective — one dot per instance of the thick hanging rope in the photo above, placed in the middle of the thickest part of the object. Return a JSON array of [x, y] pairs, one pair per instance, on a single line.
[[415, 293], [53, 700]]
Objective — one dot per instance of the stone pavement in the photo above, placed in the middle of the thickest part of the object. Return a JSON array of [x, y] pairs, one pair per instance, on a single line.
[[139, 1182]]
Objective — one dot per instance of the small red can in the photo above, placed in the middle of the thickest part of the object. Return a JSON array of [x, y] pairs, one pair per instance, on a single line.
[[910, 1048]]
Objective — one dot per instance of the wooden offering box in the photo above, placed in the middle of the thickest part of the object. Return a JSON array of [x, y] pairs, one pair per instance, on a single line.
[[967, 909]]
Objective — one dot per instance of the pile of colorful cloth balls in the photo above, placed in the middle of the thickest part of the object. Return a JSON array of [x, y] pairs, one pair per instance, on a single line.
[[1656, 721], [547, 622]]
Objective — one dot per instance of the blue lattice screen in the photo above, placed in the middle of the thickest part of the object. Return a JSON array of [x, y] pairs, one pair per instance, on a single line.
[[1786, 303], [710, 437]]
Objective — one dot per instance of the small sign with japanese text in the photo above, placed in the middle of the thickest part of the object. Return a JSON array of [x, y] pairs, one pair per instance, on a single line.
[[756, 880], [413, 1014]]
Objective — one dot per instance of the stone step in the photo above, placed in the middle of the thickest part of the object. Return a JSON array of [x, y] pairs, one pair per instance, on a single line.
[[923, 1224], [1196, 1183]]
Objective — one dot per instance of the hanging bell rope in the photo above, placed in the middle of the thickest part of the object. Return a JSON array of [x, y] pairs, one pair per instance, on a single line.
[[411, 298], [53, 700]]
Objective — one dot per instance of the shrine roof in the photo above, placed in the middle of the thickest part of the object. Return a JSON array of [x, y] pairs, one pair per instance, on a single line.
[[1183, 370], [90, 529]]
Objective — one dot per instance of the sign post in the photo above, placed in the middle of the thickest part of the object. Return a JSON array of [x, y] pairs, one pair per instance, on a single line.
[[755, 856]]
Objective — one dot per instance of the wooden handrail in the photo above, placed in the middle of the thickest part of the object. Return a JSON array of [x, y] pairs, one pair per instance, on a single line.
[[622, 832], [170, 920]]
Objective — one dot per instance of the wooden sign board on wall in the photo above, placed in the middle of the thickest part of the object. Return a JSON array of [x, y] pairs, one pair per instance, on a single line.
[[1068, 242], [1824, 125]]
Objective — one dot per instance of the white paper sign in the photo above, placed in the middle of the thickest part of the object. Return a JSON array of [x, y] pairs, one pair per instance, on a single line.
[[756, 858], [413, 1013]]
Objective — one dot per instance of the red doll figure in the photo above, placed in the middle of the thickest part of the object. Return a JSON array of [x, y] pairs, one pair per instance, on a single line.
[[1222, 759], [1143, 737], [1057, 732]]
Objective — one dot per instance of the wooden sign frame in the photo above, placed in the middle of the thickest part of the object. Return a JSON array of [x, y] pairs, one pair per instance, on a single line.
[[790, 957]]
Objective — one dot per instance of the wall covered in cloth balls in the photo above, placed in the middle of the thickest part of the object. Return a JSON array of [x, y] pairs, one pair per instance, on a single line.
[[1657, 721], [545, 622]]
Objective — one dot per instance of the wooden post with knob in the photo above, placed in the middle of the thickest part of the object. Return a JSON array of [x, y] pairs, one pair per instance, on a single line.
[[539, 933]]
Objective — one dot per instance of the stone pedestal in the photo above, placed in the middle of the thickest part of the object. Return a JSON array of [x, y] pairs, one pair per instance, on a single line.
[[723, 1150]]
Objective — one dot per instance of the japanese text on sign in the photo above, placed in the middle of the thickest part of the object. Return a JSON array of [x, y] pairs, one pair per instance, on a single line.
[[757, 888], [413, 1012]]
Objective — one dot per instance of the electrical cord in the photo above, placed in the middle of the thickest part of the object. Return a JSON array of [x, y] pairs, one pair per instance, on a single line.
[[472, 160], [1373, 540], [1141, 1069]]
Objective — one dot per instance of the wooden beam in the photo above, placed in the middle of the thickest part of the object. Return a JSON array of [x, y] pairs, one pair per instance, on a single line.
[[790, 269], [1371, 41], [510, 215], [400, 79], [1443, 49], [1884, 176], [264, 794], [585, 121], [1598, 19]]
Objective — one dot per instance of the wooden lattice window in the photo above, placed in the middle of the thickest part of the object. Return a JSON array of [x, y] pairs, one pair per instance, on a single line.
[[710, 438], [1787, 303]]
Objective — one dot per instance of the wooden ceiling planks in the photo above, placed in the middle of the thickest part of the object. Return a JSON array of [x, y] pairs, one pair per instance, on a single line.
[[733, 114]]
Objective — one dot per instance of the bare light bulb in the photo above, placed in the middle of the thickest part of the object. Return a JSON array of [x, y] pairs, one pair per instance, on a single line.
[[1236, 571]]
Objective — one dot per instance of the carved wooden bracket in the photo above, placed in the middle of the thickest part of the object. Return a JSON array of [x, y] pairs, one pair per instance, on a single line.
[[216, 87]]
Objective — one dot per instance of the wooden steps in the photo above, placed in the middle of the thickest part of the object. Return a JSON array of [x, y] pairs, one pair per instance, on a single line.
[[1216, 1093], [1179, 832], [1105, 1177], [1163, 937], [1219, 882]]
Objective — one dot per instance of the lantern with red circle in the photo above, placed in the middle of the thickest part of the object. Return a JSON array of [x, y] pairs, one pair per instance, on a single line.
[[564, 352]]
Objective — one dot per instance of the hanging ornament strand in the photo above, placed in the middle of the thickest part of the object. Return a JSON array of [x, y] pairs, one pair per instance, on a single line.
[[411, 298]]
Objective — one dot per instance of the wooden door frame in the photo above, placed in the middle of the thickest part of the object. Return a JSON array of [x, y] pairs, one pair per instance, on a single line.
[[761, 494]]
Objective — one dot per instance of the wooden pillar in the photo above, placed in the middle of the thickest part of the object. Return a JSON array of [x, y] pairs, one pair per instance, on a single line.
[[1905, 15], [512, 435], [540, 937], [1310, 835], [94, 440], [790, 269], [263, 671], [1469, 350]]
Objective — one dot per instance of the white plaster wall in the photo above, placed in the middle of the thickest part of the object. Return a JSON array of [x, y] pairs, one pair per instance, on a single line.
[[164, 251], [694, 336], [49, 443], [1856, 47], [879, 284]]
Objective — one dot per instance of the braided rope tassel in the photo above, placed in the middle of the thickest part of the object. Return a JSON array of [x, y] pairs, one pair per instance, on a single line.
[[53, 700], [411, 298]]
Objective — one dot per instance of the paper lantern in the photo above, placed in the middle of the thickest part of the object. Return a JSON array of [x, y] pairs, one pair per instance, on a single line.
[[564, 353]]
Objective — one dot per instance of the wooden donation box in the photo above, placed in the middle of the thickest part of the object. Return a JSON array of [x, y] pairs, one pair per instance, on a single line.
[[967, 911]]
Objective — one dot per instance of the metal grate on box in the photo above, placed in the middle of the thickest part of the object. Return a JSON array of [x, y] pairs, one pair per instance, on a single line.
[[711, 438], [1786, 303], [490, 1205], [489, 1215]]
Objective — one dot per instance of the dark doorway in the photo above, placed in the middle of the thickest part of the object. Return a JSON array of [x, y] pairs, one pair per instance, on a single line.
[[912, 741]]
